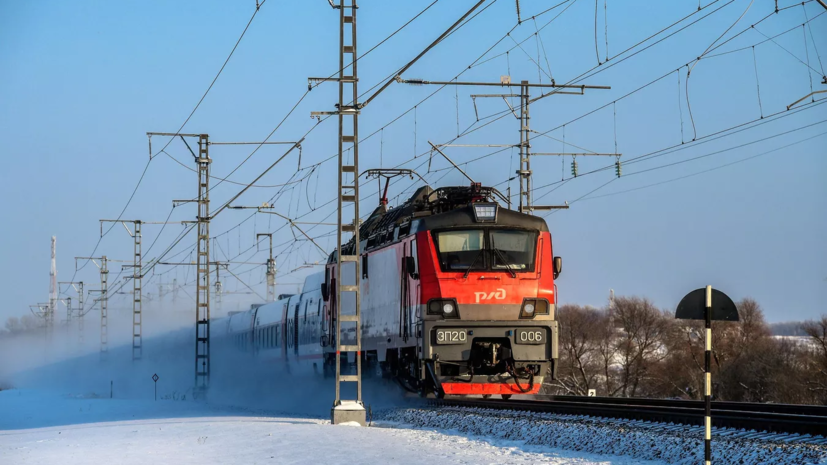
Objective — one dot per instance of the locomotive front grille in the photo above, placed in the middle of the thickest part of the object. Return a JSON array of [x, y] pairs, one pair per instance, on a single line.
[[481, 351]]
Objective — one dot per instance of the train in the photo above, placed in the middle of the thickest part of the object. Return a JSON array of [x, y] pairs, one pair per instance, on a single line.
[[458, 297]]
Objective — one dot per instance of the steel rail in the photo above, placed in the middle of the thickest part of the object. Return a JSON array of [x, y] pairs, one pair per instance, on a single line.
[[794, 409], [778, 418]]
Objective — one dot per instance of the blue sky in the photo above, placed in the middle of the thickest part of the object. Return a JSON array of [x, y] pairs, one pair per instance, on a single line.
[[82, 82]]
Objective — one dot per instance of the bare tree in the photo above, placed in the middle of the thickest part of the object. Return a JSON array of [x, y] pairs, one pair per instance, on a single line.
[[29, 322], [581, 329], [632, 349], [817, 362], [13, 325], [639, 342], [680, 373]]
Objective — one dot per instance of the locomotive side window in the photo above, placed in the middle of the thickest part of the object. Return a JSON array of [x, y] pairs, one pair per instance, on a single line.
[[513, 249], [461, 249], [416, 259]]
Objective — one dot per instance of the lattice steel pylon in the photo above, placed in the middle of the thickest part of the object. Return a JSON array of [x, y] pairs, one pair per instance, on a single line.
[[202, 226], [345, 411], [80, 314], [271, 269], [103, 300], [137, 287], [50, 314], [104, 304], [202, 294], [78, 286], [525, 150]]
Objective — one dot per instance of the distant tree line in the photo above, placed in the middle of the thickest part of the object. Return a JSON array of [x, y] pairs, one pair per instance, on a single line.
[[23, 324], [633, 349], [787, 328]]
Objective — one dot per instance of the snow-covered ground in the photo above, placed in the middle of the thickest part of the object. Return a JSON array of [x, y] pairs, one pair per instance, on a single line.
[[61, 412], [39, 426], [674, 444]]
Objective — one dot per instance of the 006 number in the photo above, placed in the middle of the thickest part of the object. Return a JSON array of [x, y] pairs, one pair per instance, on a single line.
[[530, 336]]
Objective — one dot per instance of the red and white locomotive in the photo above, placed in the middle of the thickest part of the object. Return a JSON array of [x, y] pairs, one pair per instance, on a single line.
[[457, 297]]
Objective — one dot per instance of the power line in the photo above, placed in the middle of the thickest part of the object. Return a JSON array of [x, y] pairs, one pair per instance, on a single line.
[[141, 178], [223, 179], [440, 89], [379, 130], [708, 170], [708, 56], [699, 141], [223, 65], [763, 139]]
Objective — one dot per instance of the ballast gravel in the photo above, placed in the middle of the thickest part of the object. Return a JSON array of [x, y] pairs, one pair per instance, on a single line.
[[671, 443]]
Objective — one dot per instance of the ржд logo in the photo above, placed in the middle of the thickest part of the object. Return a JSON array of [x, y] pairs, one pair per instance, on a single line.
[[499, 294]]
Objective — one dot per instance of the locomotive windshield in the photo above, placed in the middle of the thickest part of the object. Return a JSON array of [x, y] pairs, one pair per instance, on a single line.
[[461, 250], [513, 249], [508, 250]]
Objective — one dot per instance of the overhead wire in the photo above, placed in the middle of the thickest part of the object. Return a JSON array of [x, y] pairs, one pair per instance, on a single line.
[[224, 179], [757, 82], [501, 39], [815, 46], [767, 39], [652, 82], [618, 54], [694, 63], [596, 51], [141, 178], [708, 170], [786, 50], [382, 128], [763, 139], [622, 52], [584, 197], [699, 141]]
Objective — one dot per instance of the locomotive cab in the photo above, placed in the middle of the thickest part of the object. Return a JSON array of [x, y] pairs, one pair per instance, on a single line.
[[458, 294], [487, 284]]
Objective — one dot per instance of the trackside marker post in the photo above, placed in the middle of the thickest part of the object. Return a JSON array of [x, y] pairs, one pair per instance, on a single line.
[[698, 305]]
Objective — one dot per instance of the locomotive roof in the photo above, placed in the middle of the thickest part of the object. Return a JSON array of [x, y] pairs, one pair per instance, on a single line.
[[464, 217], [445, 207]]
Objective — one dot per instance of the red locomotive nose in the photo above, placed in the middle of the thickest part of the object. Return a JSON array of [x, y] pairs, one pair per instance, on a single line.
[[457, 297]]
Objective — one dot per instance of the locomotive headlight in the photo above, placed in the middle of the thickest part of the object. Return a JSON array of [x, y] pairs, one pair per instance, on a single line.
[[485, 212], [533, 307], [446, 308]]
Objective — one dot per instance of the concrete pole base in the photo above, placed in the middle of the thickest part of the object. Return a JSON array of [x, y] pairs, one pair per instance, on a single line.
[[348, 412]]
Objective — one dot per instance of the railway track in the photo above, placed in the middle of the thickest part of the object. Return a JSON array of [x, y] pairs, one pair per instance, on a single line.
[[777, 418]]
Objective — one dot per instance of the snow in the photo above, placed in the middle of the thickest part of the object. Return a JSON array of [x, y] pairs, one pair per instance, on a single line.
[[257, 412], [39, 426], [674, 444], [349, 405]]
